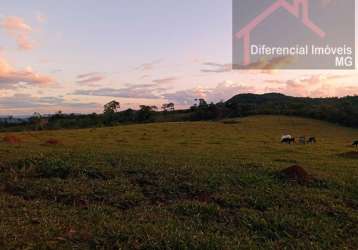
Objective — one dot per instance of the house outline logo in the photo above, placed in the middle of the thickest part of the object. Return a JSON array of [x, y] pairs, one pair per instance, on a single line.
[[294, 9]]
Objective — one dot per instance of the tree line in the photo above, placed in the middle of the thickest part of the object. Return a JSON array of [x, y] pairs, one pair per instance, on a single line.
[[338, 110]]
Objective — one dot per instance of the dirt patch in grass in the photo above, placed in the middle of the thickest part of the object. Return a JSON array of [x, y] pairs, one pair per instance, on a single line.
[[230, 122], [12, 139], [349, 155], [53, 142], [297, 174], [122, 141], [351, 203], [3, 167]]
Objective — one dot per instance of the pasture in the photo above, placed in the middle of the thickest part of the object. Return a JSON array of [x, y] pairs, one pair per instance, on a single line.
[[199, 185]]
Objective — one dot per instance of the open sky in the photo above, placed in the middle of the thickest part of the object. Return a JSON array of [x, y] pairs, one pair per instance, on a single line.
[[75, 56]]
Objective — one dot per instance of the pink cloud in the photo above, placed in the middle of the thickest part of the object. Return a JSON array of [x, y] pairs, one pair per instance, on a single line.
[[87, 75], [314, 86], [264, 65], [148, 66], [165, 80], [10, 77], [90, 78], [221, 92], [41, 18], [14, 23], [268, 66], [19, 30], [24, 43]]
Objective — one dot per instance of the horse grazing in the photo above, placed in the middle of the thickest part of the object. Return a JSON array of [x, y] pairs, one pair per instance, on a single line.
[[287, 139], [302, 140], [312, 140], [355, 144]]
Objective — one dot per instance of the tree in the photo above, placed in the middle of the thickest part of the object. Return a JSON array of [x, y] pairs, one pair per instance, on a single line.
[[38, 121], [58, 115], [111, 107], [127, 115], [168, 107], [202, 103], [148, 108], [145, 112]]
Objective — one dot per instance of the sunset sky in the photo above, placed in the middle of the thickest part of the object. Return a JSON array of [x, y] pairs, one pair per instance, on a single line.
[[75, 56]]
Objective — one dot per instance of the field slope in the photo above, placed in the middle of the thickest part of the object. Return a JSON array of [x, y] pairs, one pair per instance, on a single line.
[[201, 185]]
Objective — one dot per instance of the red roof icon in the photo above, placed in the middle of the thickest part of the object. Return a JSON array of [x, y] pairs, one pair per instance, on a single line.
[[294, 9]]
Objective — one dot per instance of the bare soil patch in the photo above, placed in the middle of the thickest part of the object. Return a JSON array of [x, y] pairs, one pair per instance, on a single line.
[[12, 139], [350, 155], [53, 142], [296, 173]]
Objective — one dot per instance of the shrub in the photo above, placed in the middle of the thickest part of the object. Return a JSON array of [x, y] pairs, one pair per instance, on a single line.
[[53, 168]]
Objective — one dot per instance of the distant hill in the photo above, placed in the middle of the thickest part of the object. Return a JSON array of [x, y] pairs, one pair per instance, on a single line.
[[338, 110]]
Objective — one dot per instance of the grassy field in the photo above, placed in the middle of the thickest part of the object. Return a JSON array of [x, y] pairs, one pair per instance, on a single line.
[[201, 185]]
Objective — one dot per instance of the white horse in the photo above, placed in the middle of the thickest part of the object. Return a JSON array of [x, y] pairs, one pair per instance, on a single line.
[[286, 137]]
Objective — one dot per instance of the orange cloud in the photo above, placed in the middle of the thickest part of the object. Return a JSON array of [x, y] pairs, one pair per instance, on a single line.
[[19, 30], [10, 77], [14, 23]]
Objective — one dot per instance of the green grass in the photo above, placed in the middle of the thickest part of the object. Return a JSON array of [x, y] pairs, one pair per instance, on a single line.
[[202, 185]]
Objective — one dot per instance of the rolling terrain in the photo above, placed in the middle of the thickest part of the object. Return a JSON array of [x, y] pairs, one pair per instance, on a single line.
[[190, 185]]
